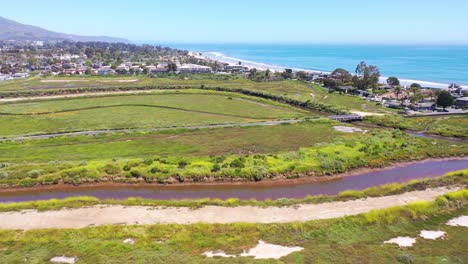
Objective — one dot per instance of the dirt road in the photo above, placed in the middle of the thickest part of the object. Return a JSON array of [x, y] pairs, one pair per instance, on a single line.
[[115, 214]]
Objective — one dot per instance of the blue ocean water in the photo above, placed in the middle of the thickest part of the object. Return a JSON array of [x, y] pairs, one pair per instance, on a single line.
[[441, 64]]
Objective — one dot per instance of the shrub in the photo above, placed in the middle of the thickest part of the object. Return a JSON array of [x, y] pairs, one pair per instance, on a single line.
[[148, 161], [216, 168], [111, 169], [3, 174], [238, 163], [34, 173], [135, 173], [182, 164]]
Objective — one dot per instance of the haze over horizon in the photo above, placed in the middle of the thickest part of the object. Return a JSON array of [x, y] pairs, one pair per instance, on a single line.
[[209, 21]]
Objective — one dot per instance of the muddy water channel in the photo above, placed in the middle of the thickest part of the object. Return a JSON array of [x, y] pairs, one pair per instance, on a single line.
[[396, 174]]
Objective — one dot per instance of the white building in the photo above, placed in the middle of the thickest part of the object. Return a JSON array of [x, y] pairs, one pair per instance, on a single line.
[[193, 68]]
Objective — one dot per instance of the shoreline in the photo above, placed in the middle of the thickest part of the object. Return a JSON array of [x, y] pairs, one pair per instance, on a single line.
[[280, 181], [218, 56]]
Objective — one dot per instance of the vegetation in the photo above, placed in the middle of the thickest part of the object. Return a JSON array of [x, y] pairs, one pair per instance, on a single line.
[[449, 126], [373, 149], [177, 142], [354, 239], [445, 99], [458, 178], [176, 108]]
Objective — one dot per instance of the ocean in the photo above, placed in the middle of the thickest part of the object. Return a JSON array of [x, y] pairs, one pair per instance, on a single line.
[[426, 64]]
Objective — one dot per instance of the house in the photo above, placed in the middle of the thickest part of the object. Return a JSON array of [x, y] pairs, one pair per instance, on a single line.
[[235, 68], [105, 70], [20, 75], [194, 68], [161, 68], [422, 107], [462, 102]]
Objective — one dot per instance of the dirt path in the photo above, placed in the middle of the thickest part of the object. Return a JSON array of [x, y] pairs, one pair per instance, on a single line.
[[115, 214], [48, 97], [107, 131]]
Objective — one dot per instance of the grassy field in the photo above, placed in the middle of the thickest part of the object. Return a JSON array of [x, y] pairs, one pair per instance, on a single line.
[[205, 142], [355, 239], [450, 126], [168, 109], [293, 89], [167, 163]]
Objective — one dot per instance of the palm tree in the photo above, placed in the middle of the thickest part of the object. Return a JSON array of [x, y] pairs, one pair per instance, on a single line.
[[397, 90]]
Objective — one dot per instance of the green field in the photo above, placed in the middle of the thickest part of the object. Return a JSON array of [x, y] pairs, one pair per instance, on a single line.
[[450, 126], [166, 109], [293, 89], [179, 160], [225, 141], [353, 239]]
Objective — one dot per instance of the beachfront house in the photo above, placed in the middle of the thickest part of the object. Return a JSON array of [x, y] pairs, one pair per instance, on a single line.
[[462, 102], [194, 68]]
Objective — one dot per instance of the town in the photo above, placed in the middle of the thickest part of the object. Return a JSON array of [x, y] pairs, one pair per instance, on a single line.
[[20, 59]]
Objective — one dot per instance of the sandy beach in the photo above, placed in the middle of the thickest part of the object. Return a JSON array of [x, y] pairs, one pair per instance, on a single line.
[[263, 66]]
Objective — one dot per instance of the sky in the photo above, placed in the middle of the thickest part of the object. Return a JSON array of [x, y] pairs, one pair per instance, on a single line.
[[252, 21]]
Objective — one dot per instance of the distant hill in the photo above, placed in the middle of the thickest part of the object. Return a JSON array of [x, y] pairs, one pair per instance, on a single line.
[[12, 30]]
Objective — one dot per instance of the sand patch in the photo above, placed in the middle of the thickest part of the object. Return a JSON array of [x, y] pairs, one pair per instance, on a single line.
[[219, 253], [129, 241], [266, 251], [361, 113], [261, 251], [63, 259], [347, 129], [402, 241], [433, 235], [459, 221]]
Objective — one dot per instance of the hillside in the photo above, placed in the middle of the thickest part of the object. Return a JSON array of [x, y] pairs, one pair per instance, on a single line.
[[12, 30]]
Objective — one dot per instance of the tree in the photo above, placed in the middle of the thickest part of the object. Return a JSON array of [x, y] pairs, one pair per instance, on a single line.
[[445, 99], [287, 74], [397, 90], [414, 89], [267, 74], [393, 81], [416, 98], [301, 75], [252, 73], [343, 75], [330, 83], [366, 76], [172, 67], [417, 85]]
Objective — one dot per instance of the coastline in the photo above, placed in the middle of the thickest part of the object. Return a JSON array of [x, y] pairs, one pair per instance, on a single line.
[[218, 56], [280, 181]]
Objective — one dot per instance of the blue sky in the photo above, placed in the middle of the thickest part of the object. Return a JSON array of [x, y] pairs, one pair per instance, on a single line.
[[252, 21]]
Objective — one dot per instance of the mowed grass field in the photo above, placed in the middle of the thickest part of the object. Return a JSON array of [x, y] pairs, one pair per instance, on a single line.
[[290, 88], [204, 142], [168, 109]]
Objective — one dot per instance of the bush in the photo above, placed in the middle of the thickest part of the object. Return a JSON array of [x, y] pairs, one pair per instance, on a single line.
[[182, 164], [34, 173], [238, 163], [111, 169], [3, 174]]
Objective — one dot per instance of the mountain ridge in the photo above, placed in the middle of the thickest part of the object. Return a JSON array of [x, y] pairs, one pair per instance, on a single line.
[[12, 30]]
